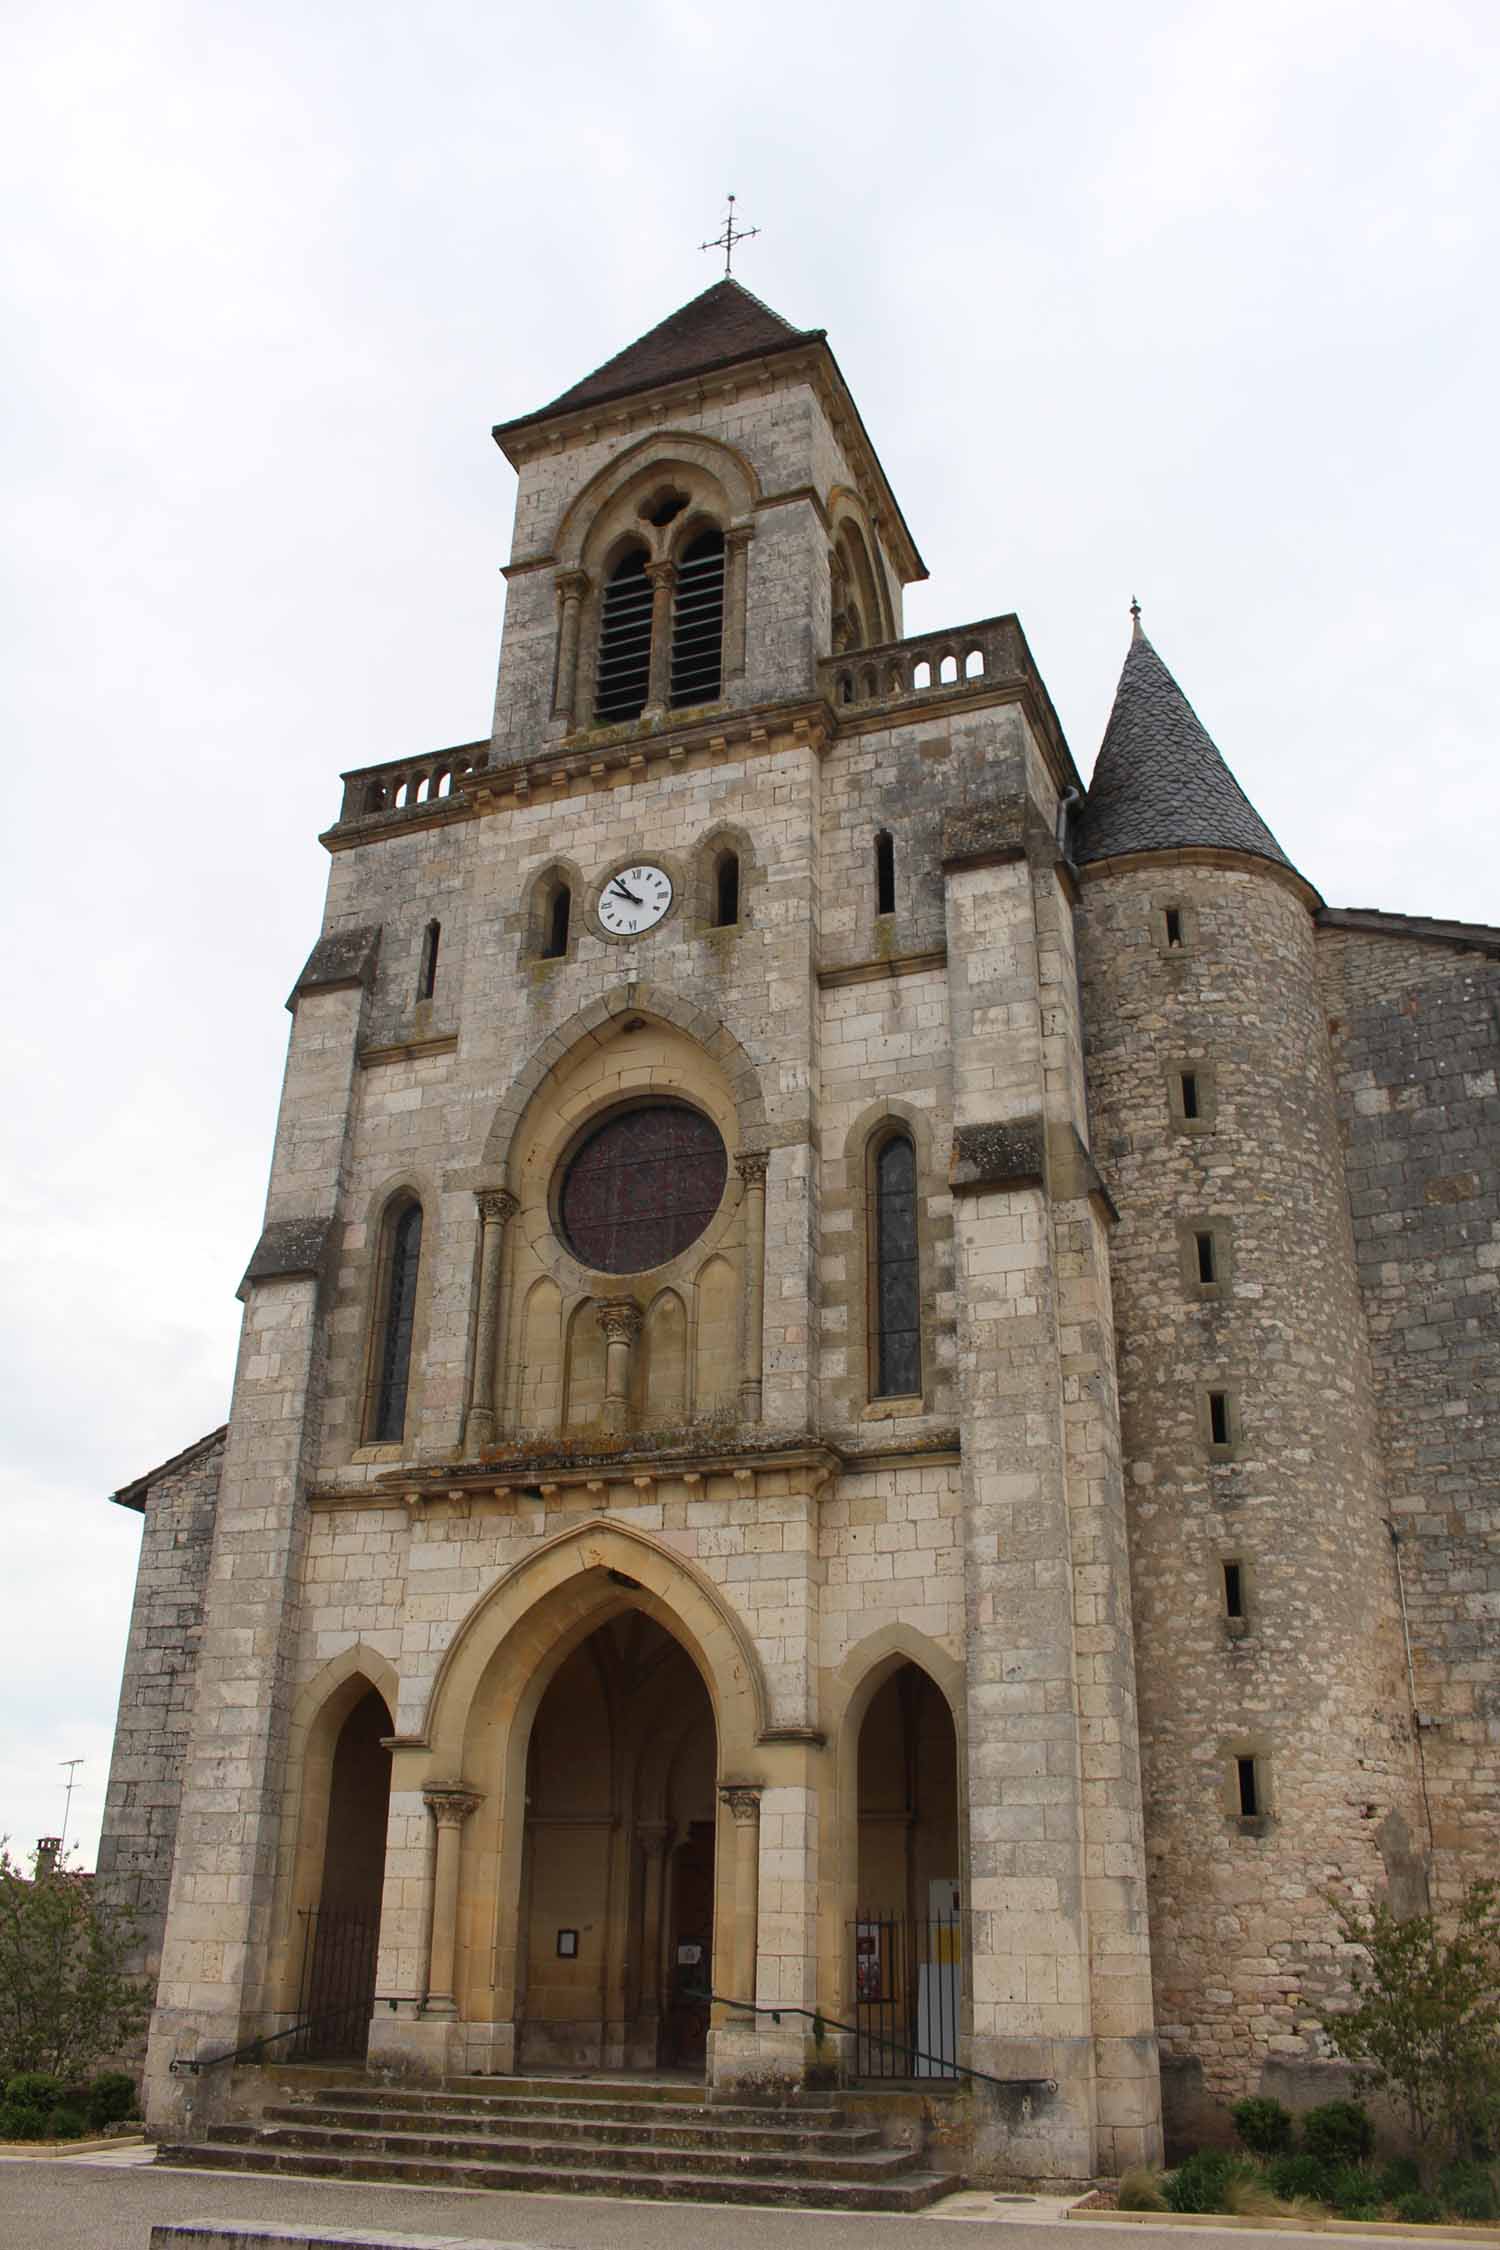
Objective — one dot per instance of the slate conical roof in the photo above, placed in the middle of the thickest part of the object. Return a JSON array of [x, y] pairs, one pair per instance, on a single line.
[[1159, 784], [725, 324]]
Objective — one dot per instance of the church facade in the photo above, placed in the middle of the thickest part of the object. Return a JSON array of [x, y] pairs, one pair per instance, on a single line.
[[866, 1440]]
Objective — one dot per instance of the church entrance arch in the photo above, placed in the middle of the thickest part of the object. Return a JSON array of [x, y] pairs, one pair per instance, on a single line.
[[616, 1932], [593, 1709]]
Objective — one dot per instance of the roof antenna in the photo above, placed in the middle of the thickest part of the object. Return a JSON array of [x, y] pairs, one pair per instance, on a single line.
[[728, 239], [1135, 620]]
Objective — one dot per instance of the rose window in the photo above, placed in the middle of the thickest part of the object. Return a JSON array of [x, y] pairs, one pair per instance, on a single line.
[[642, 1187]]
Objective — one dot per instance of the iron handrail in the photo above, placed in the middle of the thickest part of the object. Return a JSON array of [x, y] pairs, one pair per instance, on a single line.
[[192, 2066], [816, 2017]]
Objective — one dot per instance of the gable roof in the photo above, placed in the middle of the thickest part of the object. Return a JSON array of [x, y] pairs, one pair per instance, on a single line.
[[134, 1495], [722, 325], [1375, 921], [1159, 783]]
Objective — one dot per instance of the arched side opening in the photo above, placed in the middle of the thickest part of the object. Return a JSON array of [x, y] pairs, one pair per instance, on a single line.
[[907, 1945], [340, 1934], [616, 1940]]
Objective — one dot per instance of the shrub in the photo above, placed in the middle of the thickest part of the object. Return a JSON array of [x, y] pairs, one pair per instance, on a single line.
[[1401, 2175], [1418, 2208], [1248, 2194], [65, 2124], [65, 1997], [33, 2089], [1468, 2191], [1198, 2182], [109, 2097], [1140, 2190], [1265, 2126], [1339, 2132], [1354, 2192], [1426, 2014], [1299, 2174]]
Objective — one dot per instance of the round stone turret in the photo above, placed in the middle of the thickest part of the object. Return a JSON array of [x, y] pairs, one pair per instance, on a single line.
[[1276, 1731]]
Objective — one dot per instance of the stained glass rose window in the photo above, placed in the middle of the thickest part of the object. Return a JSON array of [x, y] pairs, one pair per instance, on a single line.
[[642, 1187]]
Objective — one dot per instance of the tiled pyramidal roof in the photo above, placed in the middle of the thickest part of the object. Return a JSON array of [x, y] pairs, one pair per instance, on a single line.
[[725, 324], [1159, 784]]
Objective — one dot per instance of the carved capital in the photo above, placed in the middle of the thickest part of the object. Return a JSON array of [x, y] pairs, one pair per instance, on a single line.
[[743, 1800], [620, 1318], [572, 585], [450, 1808], [653, 1836], [662, 573], [497, 1205], [751, 1165], [739, 535]]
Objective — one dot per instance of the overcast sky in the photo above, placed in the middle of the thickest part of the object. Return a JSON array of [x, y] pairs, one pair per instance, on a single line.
[[1192, 301]]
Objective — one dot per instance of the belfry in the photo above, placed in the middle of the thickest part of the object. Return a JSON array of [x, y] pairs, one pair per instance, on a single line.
[[831, 1470]]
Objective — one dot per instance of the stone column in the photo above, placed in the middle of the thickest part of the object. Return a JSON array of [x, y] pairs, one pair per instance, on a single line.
[[496, 1207], [572, 585], [736, 539], [744, 1805], [652, 1837], [751, 1165], [620, 1318], [450, 1808], [663, 577]]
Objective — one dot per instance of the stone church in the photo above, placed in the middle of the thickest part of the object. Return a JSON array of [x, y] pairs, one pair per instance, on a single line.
[[867, 1436]]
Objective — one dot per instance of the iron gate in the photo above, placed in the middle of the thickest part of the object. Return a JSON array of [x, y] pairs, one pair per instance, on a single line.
[[337, 1990], [907, 1975]]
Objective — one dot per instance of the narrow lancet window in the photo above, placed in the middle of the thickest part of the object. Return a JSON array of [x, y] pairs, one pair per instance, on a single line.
[[885, 873], [559, 913], [427, 972], [897, 1290], [624, 641], [393, 1370], [727, 891], [698, 621]]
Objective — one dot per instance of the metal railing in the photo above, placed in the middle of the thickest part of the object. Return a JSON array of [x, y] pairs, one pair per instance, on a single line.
[[821, 2023]]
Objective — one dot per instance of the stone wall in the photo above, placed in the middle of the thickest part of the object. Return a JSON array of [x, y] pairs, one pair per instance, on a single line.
[[156, 1693], [1416, 1042], [1308, 1682]]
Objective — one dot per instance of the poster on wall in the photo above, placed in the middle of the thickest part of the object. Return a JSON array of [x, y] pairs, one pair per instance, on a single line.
[[867, 1985]]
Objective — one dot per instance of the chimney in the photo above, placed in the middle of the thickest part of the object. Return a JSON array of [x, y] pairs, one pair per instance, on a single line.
[[47, 1849]]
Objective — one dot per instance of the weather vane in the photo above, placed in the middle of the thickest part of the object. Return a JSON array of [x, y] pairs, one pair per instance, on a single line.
[[727, 240]]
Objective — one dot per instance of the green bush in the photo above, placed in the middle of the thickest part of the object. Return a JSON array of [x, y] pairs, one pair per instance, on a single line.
[[1299, 2174], [1468, 2191], [109, 2097], [1265, 2126], [1400, 2175], [1418, 2208], [65, 2124], [1354, 2192], [33, 2089], [1339, 2132], [1201, 2181]]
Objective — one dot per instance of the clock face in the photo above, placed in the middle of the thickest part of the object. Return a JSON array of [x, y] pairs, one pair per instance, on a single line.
[[635, 899]]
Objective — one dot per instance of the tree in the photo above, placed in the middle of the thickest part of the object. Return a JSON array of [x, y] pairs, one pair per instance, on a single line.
[[65, 1998], [1426, 2014]]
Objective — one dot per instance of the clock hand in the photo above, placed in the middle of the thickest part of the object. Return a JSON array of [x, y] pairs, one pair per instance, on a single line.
[[617, 885]]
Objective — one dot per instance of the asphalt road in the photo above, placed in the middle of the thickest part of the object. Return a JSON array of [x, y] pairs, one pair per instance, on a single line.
[[61, 2205]]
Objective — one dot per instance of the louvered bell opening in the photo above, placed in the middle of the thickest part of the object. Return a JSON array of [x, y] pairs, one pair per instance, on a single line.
[[624, 642], [698, 622]]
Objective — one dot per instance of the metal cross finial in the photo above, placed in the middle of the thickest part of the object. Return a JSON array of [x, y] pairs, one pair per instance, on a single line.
[[727, 240], [1135, 619]]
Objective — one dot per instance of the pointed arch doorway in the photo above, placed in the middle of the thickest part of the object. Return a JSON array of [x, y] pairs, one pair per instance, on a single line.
[[907, 1937], [341, 1932], [616, 1928]]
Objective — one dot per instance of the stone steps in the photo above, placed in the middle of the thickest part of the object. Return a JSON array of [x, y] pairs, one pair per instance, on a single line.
[[700, 2129], [591, 2138]]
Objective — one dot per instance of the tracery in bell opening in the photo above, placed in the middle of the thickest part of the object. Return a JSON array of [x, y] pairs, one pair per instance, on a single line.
[[860, 616]]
